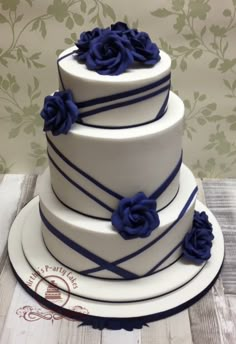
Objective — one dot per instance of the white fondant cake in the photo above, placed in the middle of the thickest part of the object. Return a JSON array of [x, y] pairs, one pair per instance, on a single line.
[[116, 207]]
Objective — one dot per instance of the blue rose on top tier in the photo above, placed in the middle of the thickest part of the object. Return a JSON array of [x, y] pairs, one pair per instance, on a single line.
[[198, 242], [59, 112], [144, 50], [109, 54], [113, 50], [135, 217], [84, 42]]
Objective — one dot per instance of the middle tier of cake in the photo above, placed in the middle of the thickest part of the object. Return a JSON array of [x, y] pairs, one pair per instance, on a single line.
[[91, 168], [93, 247]]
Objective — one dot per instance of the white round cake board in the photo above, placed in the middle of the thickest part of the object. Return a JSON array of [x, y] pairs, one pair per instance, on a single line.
[[125, 299]]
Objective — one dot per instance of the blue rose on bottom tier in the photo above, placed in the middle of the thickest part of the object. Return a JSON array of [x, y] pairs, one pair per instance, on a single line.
[[198, 242], [135, 217]]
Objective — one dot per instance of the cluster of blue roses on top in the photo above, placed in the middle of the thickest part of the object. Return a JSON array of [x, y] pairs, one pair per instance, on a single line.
[[113, 50], [198, 242]]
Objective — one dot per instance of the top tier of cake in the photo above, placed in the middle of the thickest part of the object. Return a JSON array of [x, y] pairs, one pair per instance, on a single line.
[[131, 98]]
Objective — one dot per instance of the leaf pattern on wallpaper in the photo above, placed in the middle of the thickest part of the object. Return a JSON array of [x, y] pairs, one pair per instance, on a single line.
[[39, 154], [198, 111], [211, 169], [212, 40], [65, 12], [4, 167], [23, 117]]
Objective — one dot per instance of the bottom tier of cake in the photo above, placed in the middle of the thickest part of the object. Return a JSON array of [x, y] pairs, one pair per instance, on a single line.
[[94, 248]]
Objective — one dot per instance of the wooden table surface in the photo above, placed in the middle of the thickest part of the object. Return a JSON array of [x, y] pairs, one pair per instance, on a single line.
[[212, 320]]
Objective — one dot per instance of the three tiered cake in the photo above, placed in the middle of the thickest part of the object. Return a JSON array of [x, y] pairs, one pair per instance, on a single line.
[[117, 206]]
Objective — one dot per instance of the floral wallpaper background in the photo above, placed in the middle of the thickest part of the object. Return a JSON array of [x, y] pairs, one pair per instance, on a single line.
[[199, 35]]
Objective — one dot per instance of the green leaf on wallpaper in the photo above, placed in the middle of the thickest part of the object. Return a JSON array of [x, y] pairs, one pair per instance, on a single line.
[[196, 95], [178, 5], [203, 31], [3, 19], [227, 84], [29, 129], [41, 161], [173, 63], [35, 25], [231, 118], [29, 2], [110, 12], [92, 9], [201, 120], [214, 62], [181, 49], [14, 132], [202, 97], [197, 54], [199, 9], [43, 29], [227, 12], [3, 62], [18, 18], [161, 12], [78, 19], [69, 23], [83, 6], [187, 104], [180, 23], [183, 65], [5, 84], [189, 36], [227, 65], [195, 43]]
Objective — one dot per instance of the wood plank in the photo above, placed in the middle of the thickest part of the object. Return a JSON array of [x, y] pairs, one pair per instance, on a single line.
[[71, 333], [174, 330], [10, 190], [21, 329], [122, 336], [21, 190], [221, 198]]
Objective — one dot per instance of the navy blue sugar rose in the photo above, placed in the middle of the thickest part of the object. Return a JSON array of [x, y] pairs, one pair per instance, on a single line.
[[200, 220], [144, 50], [109, 54], [198, 242], [85, 40], [135, 217], [59, 112], [120, 27]]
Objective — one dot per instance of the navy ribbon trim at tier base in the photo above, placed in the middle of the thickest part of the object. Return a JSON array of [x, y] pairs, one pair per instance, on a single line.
[[113, 266], [121, 95], [112, 323]]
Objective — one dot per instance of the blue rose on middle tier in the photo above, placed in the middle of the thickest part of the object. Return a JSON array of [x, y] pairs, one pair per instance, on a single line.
[[135, 217], [109, 54]]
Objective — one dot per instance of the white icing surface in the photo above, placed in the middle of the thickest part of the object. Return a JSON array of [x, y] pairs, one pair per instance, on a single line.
[[100, 238], [86, 84], [125, 160]]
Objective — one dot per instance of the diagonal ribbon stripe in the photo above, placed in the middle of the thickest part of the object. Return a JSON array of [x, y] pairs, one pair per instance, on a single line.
[[154, 195], [83, 173], [153, 242], [78, 186], [86, 253]]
